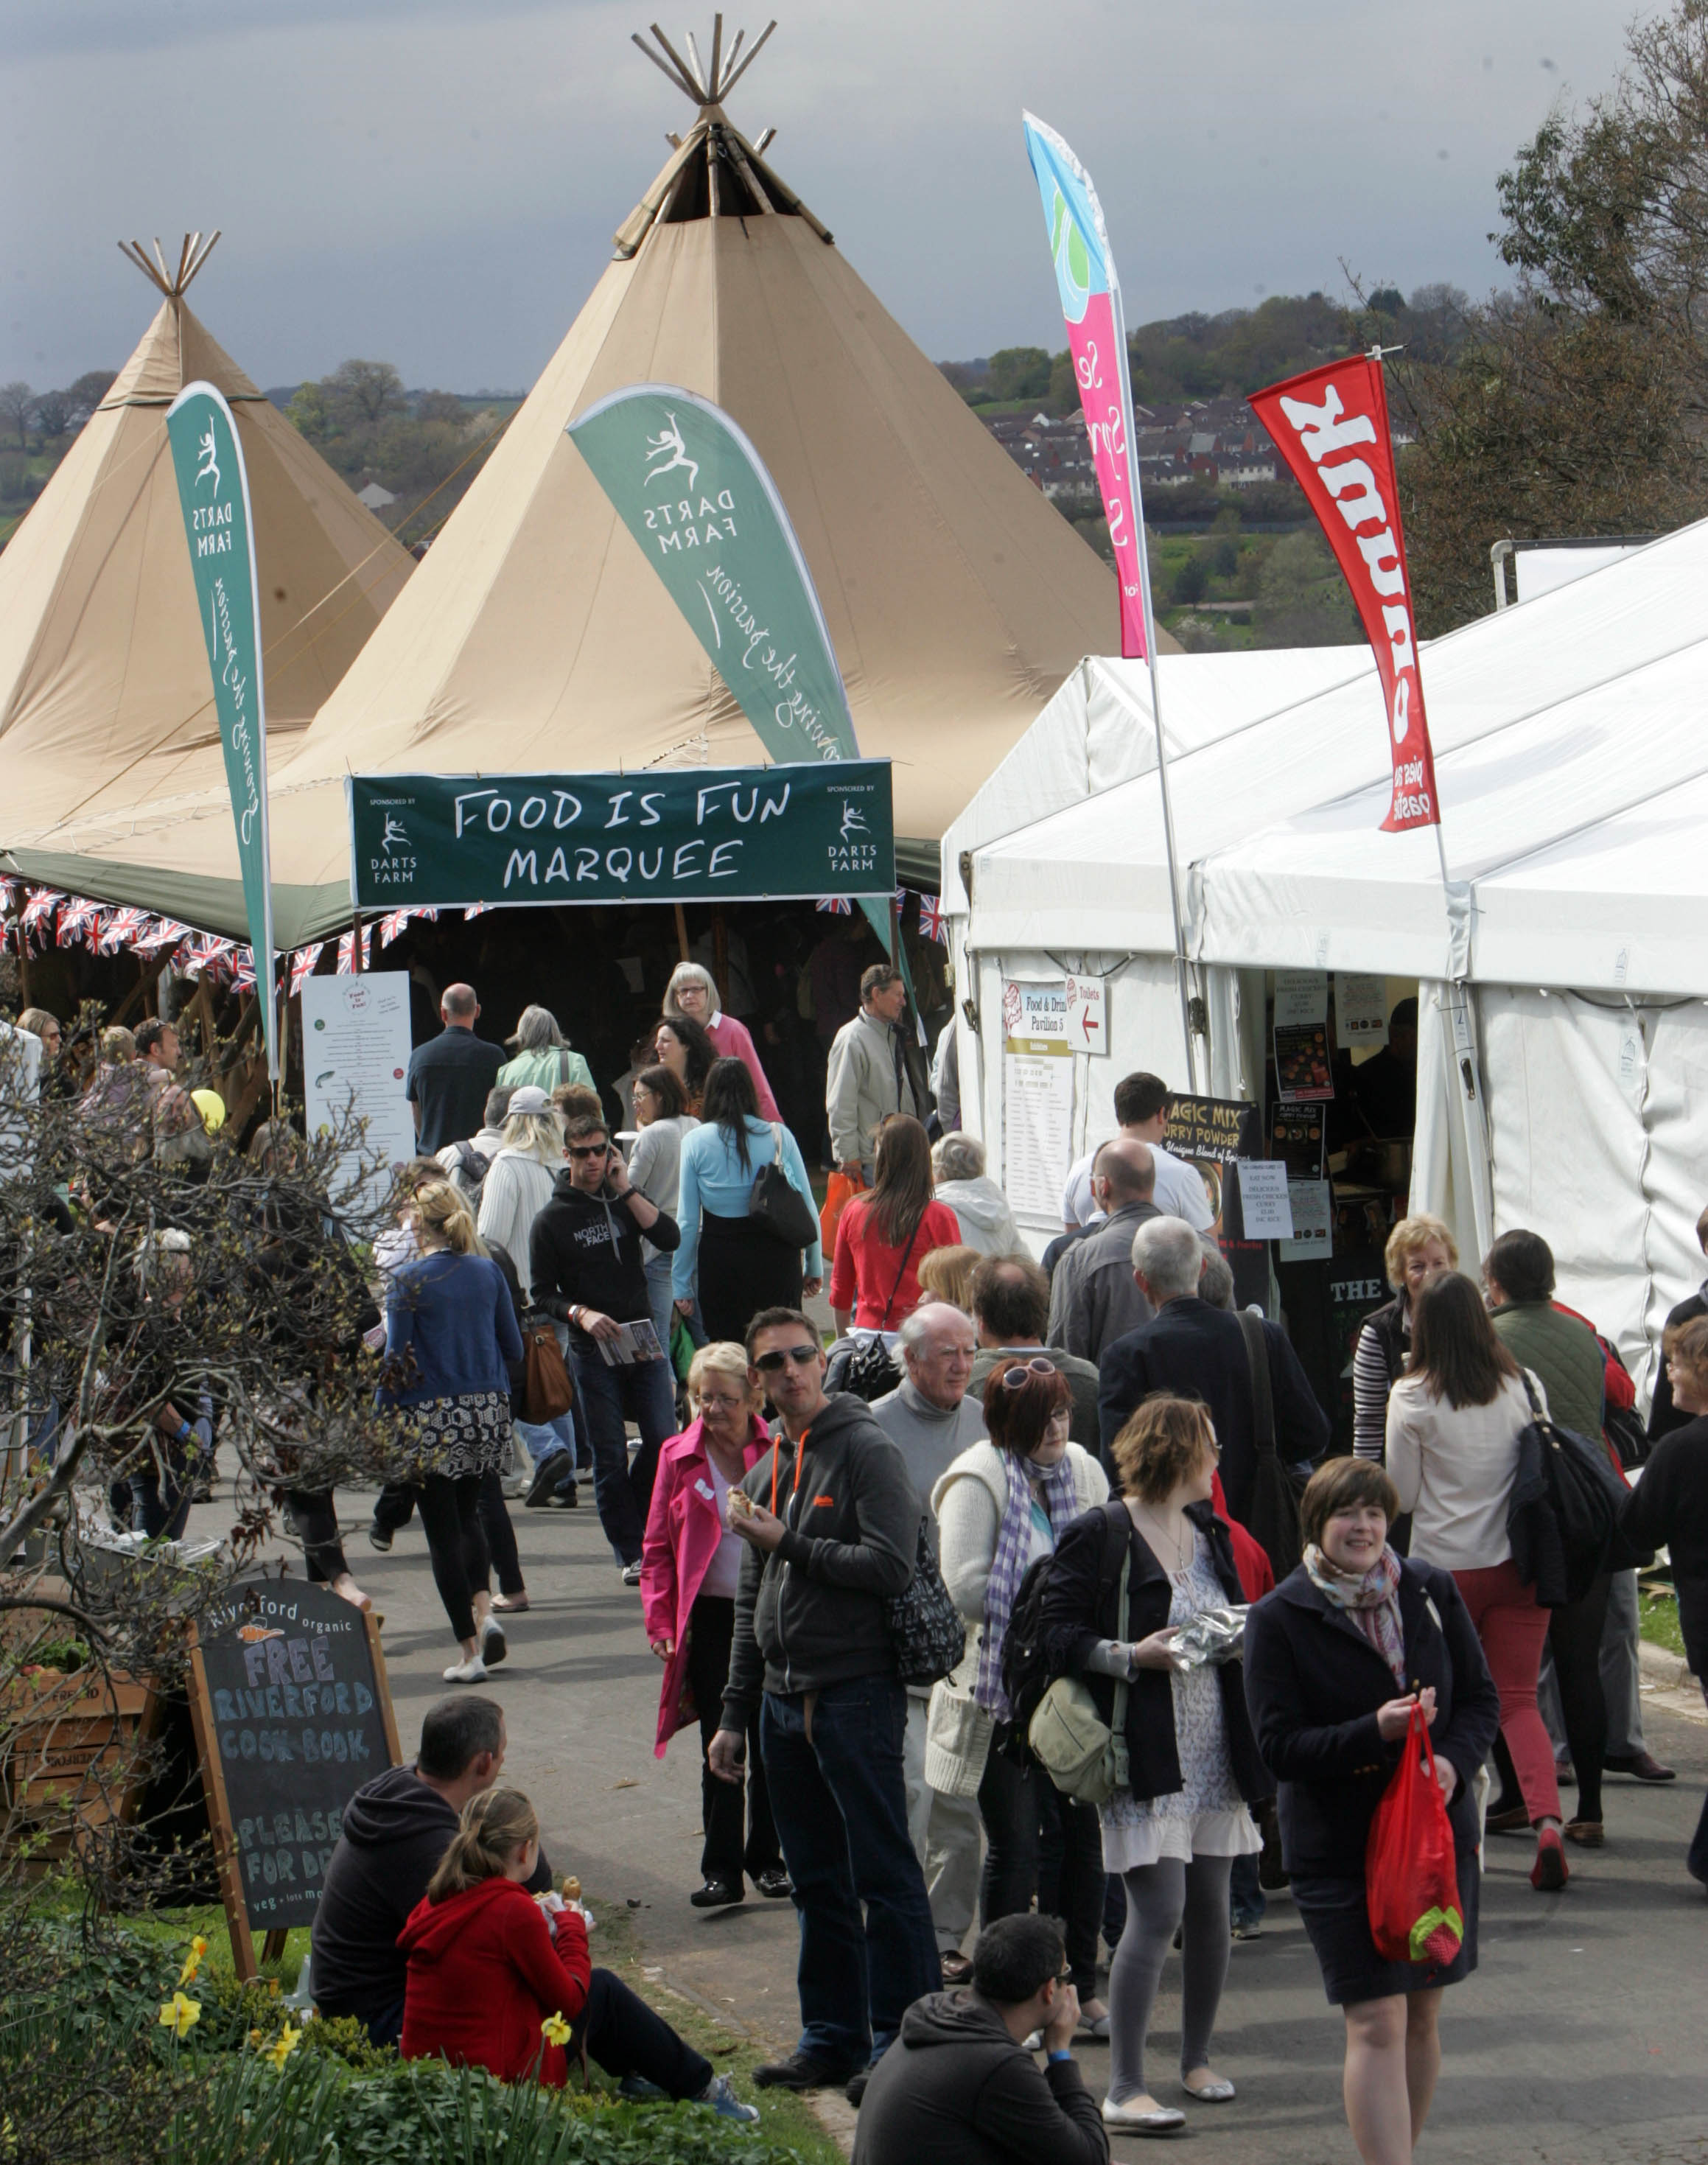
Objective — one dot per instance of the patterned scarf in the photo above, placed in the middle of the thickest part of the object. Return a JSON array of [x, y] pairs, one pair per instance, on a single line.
[[1014, 1549], [1372, 1601]]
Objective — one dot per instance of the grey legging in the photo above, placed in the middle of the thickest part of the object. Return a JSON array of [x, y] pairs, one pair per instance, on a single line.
[[1161, 1896]]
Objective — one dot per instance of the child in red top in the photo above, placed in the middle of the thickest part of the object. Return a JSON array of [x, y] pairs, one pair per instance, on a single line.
[[492, 1968], [885, 1233]]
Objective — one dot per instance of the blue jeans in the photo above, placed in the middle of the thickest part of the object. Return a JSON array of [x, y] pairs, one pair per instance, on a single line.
[[645, 1395], [840, 1802], [1246, 1898]]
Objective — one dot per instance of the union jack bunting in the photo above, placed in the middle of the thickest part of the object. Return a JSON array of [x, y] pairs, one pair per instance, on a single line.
[[391, 925], [79, 920], [838, 905], [346, 951], [475, 909], [123, 928], [159, 934], [302, 964], [243, 970], [38, 907], [206, 956], [933, 924]]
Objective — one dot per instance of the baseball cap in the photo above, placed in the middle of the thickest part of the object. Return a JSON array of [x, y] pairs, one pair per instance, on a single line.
[[529, 1098]]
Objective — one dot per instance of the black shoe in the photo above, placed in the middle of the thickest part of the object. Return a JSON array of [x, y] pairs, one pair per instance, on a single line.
[[1641, 1766], [564, 1499], [379, 1537], [799, 2072], [856, 2086], [718, 1894], [547, 1476], [775, 1885]]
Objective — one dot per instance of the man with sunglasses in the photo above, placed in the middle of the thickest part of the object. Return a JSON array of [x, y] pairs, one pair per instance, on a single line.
[[584, 1260], [831, 1520]]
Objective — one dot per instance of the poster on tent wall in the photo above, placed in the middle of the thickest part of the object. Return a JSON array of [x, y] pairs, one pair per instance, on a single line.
[[1037, 1098], [355, 1064], [686, 481], [1303, 1071], [214, 496], [1213, 1135], [1330, 426], [1097, 339]]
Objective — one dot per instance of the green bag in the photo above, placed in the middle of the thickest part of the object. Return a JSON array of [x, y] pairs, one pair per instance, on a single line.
[[1084, 1755], [682, 1347]]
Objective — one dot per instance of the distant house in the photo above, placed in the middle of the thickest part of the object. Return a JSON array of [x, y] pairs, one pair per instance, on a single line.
[[374, 497]]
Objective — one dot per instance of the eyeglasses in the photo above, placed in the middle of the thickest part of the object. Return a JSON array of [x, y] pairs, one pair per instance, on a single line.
[[588, 1150], [1014, 1379], [769, 1364]]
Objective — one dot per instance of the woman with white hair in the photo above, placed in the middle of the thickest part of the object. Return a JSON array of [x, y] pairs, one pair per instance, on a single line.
[[692, 992], [544, 1058], [518, 1185], [986, 1224]]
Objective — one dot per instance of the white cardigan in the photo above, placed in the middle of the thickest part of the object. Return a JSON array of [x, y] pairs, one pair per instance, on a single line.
[[1454, 1468], [969, 1502], [516, 1189]]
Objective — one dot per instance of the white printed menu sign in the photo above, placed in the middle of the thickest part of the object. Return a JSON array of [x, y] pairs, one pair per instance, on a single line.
[[356, 1059]]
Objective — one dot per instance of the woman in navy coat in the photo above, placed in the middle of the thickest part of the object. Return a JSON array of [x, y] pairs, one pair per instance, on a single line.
[[1334, 1658]]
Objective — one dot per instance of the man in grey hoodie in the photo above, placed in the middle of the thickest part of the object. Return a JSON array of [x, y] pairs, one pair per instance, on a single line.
[[831, 1521], [932, 1418]]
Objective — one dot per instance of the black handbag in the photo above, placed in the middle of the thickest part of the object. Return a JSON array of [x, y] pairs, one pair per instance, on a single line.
[[868, 1370], [1584, 1495], [775, 1202], [926, 1633]]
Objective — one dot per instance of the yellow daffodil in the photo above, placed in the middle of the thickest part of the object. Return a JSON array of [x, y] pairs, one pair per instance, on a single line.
[[555, 2030], [192, 1961], [180, 2016], [254, 2037], [283, 2046]]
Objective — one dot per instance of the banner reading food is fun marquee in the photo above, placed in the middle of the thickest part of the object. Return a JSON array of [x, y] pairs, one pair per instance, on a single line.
[[1330, 426], [1097, 339]]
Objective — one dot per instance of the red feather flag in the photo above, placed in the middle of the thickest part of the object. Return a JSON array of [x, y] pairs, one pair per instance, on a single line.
[[1330, 426]]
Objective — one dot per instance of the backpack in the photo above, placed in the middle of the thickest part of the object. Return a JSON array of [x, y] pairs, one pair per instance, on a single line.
[[1026, 1674], [472, 1165]]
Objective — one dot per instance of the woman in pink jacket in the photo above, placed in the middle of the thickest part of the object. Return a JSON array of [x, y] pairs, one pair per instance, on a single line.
[[691, 993], [689, 1565]]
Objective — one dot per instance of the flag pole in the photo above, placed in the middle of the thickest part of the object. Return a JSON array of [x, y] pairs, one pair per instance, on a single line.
[[1138, 516]]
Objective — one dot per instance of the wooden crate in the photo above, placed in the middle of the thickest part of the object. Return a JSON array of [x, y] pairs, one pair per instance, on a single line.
[[72, 1744]]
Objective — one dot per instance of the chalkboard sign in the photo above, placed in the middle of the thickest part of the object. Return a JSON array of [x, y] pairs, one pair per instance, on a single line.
[[292, 1714]]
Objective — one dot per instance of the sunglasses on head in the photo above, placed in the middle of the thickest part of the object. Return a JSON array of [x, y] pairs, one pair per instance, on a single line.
[[1013, 1378], [769, 1364], [588, 1150]]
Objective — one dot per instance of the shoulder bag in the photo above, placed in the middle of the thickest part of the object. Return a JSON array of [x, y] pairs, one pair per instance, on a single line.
[[1273, 1517], [926, 1630], [1084, 1756], [775, 1202], [1583, 1493], [547, 1390]]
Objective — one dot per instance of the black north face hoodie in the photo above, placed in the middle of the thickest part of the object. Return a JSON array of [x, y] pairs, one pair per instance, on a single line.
[[585, 1252]]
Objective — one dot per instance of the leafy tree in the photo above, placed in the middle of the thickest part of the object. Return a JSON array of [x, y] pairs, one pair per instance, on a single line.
[[18, 406], [89, 390], [53, 414], [1192, 580], [1019, 371], [1302, 600], [361, 396], [442, 407], [1576, 405]]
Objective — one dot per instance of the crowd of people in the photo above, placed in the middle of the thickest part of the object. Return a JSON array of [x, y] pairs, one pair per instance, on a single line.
[[890, 1581]]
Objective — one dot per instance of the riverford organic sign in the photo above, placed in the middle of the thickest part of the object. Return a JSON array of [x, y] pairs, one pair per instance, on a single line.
[[698, 835]]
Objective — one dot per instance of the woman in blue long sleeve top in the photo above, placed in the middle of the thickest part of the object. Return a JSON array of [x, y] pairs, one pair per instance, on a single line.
[[739, 1265], [450, 1336]]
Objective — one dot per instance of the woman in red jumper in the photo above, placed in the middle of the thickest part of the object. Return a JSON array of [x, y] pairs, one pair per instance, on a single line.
[[493, 1971], [689, 1567]]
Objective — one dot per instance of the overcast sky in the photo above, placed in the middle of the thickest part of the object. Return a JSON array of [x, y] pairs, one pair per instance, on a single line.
[[436, 182]]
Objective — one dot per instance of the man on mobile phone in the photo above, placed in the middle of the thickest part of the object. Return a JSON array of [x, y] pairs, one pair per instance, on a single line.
[[831, 1520], [585, 1262]]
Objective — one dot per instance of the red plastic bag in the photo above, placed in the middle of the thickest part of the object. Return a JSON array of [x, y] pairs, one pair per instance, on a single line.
[[840, 1191], [1411, 1879]]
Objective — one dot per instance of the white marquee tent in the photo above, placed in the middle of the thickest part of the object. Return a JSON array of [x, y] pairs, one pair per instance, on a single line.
[[1563, 1064]]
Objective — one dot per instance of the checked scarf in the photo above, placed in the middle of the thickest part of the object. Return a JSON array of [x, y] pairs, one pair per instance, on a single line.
[[1014, 1549]]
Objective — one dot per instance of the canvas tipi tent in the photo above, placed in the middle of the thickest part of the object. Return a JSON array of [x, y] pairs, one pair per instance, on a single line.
[[106, 703], [535, 636]]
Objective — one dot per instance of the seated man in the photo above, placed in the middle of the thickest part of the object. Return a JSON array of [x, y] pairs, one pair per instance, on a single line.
[[396, 1829], [959, 2086]]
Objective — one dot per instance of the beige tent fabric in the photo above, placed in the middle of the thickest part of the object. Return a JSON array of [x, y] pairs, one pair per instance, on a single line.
[[106, 703], [536, 635]]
